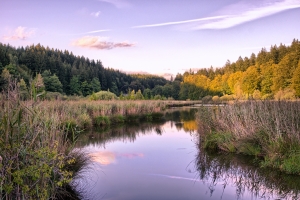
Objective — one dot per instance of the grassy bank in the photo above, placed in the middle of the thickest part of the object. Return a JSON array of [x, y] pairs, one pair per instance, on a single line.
[[36, 157], [266, 129], [86, 114], [37, 160]]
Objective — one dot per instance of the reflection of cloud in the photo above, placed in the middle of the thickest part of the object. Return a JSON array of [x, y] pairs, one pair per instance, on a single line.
[[235, 14], [95, 14], [96, 42], [131, 155], [106, 157], [21, 33], [176, 177]]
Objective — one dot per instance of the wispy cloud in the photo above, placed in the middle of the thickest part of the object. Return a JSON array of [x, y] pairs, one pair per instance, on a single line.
[[234, 14], [117, 3], [245, 12], [96, 42], [20, 33], [90, 32], [96, 14], [180, 22]]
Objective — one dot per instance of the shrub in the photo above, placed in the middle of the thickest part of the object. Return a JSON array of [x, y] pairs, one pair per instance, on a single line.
[[103, 95], [101, 121], [286, 94], [227, 97], [206, 99]]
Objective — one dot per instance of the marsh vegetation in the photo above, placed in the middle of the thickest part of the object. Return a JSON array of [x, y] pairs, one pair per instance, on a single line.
[[268, 130]]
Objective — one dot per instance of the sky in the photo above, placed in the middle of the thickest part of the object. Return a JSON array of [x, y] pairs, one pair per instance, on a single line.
[[152, 36]]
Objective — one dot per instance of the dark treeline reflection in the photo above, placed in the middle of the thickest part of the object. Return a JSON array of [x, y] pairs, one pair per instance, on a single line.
[[129, 132], [243, 175]]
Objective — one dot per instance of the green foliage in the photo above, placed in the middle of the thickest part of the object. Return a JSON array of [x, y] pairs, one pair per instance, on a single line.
[[75, 88], [139, 95], [101, 121], [268, 72], [85, 88], [291, 164], [24, 94], [147, 94], [117, 119], [95, 85], [52, 82], [35, 161], [103, 95], [219, 141]]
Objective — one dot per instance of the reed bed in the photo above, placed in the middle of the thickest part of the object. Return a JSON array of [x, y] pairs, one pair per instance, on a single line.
[[36, 158], [85, 114], [267, 129]]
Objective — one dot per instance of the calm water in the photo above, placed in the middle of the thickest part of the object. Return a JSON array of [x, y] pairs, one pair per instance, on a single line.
[[163, 161]]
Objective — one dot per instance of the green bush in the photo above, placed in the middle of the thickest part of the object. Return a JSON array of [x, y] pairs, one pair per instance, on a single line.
[[103, 95], [101, 121]]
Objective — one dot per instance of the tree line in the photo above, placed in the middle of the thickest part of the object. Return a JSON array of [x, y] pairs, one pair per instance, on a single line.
[[66, 73], [273, 74]]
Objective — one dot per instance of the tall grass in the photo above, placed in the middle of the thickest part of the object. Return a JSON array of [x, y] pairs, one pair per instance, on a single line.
[[85, 114], [268, 129], [36, 158]]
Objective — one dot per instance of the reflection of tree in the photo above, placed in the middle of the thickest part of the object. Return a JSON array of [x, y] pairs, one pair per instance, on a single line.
[[125, 133], [244, 176], [129, 132]]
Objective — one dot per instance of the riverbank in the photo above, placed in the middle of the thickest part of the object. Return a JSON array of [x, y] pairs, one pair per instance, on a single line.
[[268, 130], [37, 140]]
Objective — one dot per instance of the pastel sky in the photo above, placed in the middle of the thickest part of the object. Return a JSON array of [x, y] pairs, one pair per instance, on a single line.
[[153, 36]]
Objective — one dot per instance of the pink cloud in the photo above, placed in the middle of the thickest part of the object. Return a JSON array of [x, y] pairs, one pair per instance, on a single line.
[[96, 42], [95, 14], [21, 33]]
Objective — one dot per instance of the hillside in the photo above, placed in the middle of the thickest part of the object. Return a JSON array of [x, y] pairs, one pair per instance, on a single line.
[[69, 74]]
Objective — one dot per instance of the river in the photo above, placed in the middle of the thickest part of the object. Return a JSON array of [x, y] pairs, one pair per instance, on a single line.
[[163, 160]]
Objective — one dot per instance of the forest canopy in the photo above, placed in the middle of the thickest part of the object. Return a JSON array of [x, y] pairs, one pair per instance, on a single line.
[[273, 74]]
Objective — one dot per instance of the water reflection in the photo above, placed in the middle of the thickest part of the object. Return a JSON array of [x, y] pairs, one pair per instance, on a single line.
[[163, 160], [246, 177], [107, 157], [183, 118]]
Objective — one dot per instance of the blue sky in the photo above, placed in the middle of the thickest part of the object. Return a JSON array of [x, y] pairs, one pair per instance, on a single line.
[[153, 36]]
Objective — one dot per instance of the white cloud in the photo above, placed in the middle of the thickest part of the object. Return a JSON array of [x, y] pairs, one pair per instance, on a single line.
[[234, 14], [180, 22], [91, 32], [117, 3], [96, 14], [245, 12], [20, 33], [96, 42]]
